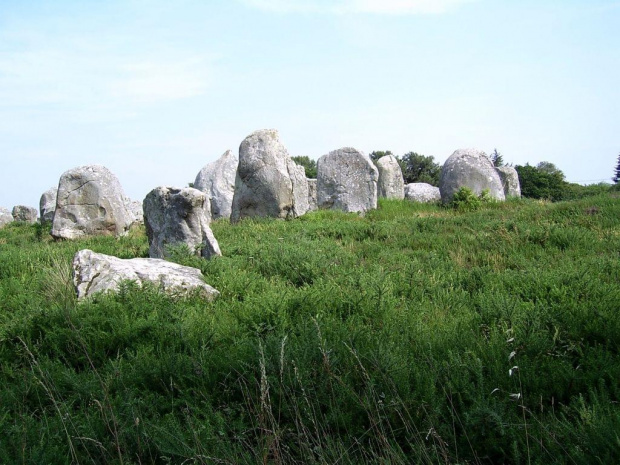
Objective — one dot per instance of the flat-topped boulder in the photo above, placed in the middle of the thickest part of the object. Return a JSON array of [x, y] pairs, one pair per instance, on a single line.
[[391, 184], [510, 181], [176, 217], [347, 181], [217, 180], [268, 182], [47, 204], [90, 202], [25, 214], [94, 273], [5, 217], [422, 192], [469, 168]]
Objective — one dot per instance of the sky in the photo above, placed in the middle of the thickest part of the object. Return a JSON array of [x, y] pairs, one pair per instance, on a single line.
[[154, 90]]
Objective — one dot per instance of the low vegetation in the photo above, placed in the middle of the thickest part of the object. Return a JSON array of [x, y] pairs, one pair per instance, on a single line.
[[415, 334]]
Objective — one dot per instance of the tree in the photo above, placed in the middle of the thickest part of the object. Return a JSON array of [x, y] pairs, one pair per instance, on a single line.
[[375, 155], [497, 158], [616, 178], [549, 168], [308, 163], [420, 168], [542, 183]]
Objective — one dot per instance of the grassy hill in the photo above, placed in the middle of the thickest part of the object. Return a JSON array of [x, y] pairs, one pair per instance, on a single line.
[[416, 334]]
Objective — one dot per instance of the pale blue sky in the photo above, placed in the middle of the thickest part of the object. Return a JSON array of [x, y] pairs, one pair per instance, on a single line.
[[154, 90]]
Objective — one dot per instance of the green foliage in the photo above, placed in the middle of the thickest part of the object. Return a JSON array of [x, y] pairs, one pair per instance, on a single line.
[[420, 168], [537, 183], [376, 154], [387, 338], [309, 165], [465, 200], [497, 158]]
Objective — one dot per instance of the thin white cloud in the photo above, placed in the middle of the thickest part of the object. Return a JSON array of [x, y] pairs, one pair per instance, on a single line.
[[388, 7]]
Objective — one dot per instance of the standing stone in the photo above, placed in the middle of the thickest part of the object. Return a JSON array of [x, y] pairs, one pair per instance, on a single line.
[[312, 200], [469, 168], [25, 214], [217, 180], [268, 182], [510, 180], [95, 272], [391, 184], [5, 217], [47, 204], [301, 190], [90, 202], [136, 210], [346, 180], [176, 217], [422, 192]]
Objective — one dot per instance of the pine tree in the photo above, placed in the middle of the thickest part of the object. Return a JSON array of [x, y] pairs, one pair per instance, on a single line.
[[497, 158], [616, 178]]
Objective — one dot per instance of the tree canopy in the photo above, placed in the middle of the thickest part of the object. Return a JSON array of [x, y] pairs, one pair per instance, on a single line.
[[308, 163]]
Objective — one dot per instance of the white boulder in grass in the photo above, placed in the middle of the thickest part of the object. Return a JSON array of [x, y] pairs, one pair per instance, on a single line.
[[510, 180], [47, 204], [347, 181], [268, 182], [217, 181], [178, 216], [94, 273], [25, 214], [469, 168], [422, 192], [391, 184], [5, 217], [90, 201]]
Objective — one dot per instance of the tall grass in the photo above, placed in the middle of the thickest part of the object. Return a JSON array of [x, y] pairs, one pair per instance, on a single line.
[[388, 338]]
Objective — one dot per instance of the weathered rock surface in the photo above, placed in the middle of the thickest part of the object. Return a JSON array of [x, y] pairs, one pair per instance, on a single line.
[[312, 199], [95, 272], [175, 217], [422, 192], [217, 180], [346, 180], [90, 201], [268, 182], [469, 168], [5, 217], [25, 214], [510, 181], [391, 184], [47, 204], [136, 210]]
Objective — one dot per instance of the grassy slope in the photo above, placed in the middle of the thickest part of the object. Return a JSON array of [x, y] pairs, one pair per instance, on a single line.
[[385, 339]]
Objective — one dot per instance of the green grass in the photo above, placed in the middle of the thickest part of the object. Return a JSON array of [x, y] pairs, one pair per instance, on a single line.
[[336, 339]]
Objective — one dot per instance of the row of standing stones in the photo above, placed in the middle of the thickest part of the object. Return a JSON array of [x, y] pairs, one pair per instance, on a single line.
[[263, 181]]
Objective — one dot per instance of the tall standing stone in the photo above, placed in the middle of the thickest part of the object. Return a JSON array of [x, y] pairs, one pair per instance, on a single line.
[[268, 182], [469, 168], [90, 201], [346, 180], [217, 180], [47, 204], [312, 200], [25, 214], [5, 217], [510, 180], [174, 217], [391, 184]]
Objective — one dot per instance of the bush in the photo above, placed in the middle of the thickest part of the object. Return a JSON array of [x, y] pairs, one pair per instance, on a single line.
[[465, 200]]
